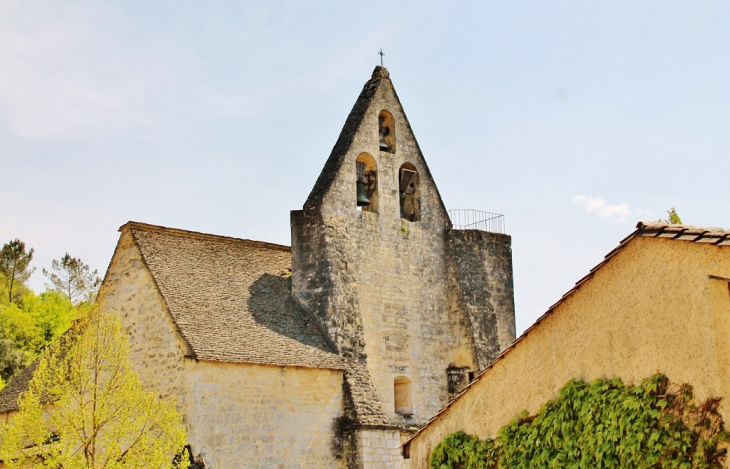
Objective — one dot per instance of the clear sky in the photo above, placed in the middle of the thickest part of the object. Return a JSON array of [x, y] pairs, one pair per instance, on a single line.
[[574, 119]]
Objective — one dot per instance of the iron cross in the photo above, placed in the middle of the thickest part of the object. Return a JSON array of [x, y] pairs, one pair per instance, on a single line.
[[381, 54]]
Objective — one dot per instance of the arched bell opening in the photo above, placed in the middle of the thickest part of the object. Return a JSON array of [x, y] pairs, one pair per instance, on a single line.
[[403, 396], [410, 195], [386, 130], [366, 183]]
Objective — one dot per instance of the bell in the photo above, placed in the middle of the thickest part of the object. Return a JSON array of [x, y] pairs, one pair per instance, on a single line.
[[383, 144], [362, 196], [384, 131], [403, 213]]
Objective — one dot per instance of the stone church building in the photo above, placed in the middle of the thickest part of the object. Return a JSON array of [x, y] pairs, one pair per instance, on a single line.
[[331, 352]]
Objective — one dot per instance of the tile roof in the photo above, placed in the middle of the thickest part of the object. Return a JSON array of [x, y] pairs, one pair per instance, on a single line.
[[231, 298], [19, 383], [650, 229]]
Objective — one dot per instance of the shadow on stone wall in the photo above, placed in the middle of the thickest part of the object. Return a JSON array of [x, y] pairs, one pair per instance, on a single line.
[[272, 306]]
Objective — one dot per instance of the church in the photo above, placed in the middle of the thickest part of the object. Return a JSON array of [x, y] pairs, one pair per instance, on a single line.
[[332, 352]]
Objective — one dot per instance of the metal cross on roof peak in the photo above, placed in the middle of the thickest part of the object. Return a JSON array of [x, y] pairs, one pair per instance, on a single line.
[[381, 54]]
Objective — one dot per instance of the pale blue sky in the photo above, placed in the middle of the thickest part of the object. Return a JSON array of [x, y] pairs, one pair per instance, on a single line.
[[218, 116]]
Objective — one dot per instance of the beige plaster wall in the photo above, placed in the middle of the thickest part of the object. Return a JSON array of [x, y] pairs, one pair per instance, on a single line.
[[157, 350], [652, 308], [260, 416]]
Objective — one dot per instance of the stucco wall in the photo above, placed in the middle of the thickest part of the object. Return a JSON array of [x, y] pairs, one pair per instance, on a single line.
[[651, 308], [260, 416], [157, 350]]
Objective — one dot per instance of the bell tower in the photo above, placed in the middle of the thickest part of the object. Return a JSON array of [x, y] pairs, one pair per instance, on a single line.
[[375, 259]]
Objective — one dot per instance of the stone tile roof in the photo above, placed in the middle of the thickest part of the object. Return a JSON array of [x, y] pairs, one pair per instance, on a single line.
[[230, 298], [18, 384], [651, 229]]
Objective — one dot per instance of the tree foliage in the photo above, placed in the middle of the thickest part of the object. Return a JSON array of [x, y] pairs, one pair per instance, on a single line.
[[11, 360], [15, 267], [605, 424], [74, 279], [99, 415], [29, 326], [672, 217]]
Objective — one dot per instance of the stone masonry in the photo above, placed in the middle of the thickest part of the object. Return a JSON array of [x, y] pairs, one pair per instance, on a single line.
[[401, 299]]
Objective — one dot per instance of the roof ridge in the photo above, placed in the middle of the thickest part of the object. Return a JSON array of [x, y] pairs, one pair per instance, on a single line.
[[197, 234]]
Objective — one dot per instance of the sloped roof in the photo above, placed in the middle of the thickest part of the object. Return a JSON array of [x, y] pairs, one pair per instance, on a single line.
[[230, 298], [650, 229], [19, 383]]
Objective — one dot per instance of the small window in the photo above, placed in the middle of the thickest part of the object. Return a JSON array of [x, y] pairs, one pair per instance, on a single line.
[[471, 376], [403, 396], [366, 183], [410, 196], [386, 129]]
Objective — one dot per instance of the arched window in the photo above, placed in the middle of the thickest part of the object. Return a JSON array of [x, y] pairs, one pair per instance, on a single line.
[[403, 396], [367, 183], [410, 196], [386, 129]]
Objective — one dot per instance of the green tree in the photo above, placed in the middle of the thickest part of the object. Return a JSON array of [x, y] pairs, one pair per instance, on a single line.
[[100, 416], [11, 360], [15, 267], [37, 320], [672, 217], [74, 279], [22, 329]]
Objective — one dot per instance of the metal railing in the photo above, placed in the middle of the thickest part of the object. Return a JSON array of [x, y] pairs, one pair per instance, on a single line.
[[468, 219]]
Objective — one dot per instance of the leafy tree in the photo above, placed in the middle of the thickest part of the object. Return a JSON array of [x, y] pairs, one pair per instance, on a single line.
[[22, 330], [36, 321], [52, 312], [4, 296], [74, 279], [100, 417], [672, 217], [15, 266], [11, 361]]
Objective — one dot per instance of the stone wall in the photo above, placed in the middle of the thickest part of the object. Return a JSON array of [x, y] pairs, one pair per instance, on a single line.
[[482, 265], [157, 350], [387, 289], [379, 449], [261, 416], [658, 305]]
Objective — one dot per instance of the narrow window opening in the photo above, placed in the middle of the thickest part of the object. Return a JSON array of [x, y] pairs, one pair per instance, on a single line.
[[471, 376], [410, 196], [386, 130], [403, 396], [366, 183]]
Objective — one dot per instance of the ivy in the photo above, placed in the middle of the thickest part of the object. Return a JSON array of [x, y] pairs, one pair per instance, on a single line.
[[605, 424]]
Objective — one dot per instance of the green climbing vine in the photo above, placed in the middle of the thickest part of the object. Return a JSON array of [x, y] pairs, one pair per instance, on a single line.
[[605, 424]]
